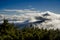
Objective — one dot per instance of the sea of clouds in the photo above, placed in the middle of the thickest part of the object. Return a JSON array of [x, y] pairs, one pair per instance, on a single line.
[[20, 16]]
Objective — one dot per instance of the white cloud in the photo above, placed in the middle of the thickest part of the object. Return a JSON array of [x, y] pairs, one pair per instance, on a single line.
[[26, 14], [22, 11], [31, 14], [10, 10], [33, 8]]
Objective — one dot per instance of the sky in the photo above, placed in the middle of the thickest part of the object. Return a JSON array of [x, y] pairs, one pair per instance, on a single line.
[[37, 5], [13, 10]]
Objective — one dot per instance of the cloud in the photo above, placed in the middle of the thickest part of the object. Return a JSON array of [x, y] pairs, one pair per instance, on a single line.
[[27, 14], [21, 14], [32, 8], [22, 11], [10, 10]]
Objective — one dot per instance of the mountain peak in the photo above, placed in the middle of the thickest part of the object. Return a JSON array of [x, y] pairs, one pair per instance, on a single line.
[[48, 13]]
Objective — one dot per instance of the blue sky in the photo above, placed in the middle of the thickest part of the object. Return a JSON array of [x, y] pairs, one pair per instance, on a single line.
[[41, 5]]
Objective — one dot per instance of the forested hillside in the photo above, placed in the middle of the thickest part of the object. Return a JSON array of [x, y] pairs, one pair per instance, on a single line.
[[10, 32]]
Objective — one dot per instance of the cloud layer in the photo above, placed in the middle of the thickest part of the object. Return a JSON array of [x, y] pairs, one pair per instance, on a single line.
[[18, 14], [30, 15]]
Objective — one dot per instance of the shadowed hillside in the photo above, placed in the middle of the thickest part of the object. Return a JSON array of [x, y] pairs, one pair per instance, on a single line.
[[10, 32]]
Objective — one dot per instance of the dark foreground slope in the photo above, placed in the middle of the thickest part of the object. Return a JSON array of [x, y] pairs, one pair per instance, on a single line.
[[10, 32]]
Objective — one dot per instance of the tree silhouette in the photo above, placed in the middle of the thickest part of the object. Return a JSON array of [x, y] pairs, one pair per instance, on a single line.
[[10, 32]]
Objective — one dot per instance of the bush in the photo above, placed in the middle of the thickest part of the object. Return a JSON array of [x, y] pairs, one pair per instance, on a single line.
[[10, 32]]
